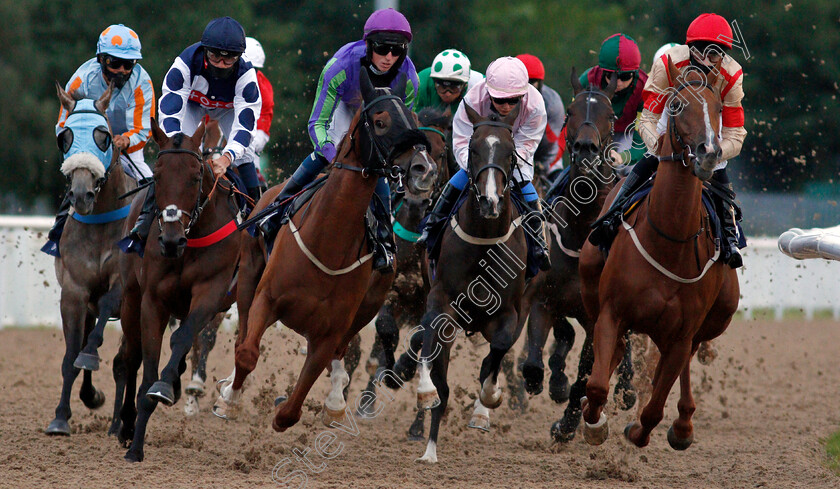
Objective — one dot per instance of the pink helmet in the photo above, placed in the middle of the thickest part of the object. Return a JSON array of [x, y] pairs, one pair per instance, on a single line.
[[507, 77]]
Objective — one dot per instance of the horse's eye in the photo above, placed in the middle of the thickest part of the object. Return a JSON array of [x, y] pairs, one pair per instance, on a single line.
[[380, 124]]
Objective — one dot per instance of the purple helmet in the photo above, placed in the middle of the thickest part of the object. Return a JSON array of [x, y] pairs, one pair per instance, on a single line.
[[387, 20]]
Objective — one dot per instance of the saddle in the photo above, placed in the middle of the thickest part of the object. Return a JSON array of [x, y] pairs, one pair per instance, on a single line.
[[435, 235]]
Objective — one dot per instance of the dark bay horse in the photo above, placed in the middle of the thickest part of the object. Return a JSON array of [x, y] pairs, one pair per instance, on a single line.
[[654, 280], [318, 280], [87, 269], [554, 296], [187, 277], [479, 279]]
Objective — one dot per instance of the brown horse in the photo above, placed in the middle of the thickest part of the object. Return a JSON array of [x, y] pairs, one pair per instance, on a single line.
[[318, 280], [483, 255], [554, 296], [654, 281], [87, 273], [188, 277]]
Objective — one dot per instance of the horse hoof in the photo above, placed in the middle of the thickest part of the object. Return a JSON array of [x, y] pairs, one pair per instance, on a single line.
[[533, 375], [133, 456], [191, 407], [223, 409], [706, 353], [222, 384], [678, 443], [415, 431], [87, 361], [488, 401], [96, 401], [162, 392], [558, 388], [279, 399], [559, 434], [624, 397], [116, 424], [389, 380], [58, 427], [480, 422], [428, 400], [330, 416], [371, 366], [627, 434], [195, 388], [596, 434]]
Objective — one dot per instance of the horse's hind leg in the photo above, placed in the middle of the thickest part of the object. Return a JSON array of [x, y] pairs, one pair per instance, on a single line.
[[352, 358], [564, 429], [564, 339], [387, 335], [120, 371], [490, 396], [108, 304], [203, 343], [73, 316], [533, 370], [435, 375], [674, 360], [681, 432], [624, 394]]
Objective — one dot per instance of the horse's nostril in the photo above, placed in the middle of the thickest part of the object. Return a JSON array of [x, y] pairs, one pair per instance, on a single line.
[[71, 195], [90, 195], [182, 242]]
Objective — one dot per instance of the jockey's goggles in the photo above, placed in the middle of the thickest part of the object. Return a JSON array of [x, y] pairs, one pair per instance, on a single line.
[[622, 75], [117, 63], [383, 48], [217, 55], [506, 101], [449, 85]]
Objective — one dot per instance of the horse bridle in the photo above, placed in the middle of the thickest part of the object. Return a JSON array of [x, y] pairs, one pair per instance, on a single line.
[[686, 154], [474, 176], [172, 213], [589, 122]]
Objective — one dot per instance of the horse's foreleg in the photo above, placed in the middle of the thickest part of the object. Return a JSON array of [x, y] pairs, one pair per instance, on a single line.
[[606, 348], [533, 370], [203, 343], [624, 394], [73, 316], [336, 403], [92, 397], [131, 355], [319, 355], [251, 267], [352, 358], [388, 336], [564, 429], [673, 361], [681, 432], [108, 304], [437, 376]]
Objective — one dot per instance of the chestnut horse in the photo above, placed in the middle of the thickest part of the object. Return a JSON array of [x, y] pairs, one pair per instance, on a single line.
[[483, 256], [318, 280], [554, 296], [654, 281], [86, 271], [188, 277]]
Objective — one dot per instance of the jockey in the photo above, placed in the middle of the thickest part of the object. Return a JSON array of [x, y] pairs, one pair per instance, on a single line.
[[211, 78], [132, 103], [383, 52], [620, 54], [708, 38], [446, 82], [506, 86], [548, 155], [255, 54]]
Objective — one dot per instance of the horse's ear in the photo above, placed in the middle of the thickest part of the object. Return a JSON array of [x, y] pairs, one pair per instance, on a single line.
[[673, 72], [198, 135], [472, 115], [158, 135], [399, 89], [511, 118], [576, 86], [105, 99], [448, 112], [610, 90], [366, 86], [416, 119], [66, 100]]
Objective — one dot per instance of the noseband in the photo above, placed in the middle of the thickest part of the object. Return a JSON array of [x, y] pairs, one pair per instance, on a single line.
[[474, 176], [172, 213]]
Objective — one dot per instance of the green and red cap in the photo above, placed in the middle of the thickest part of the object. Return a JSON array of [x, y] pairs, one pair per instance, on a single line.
[[619, 53]]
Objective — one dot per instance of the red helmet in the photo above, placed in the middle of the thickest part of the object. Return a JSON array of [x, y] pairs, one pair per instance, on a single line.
[[536, 70], [712, 28]]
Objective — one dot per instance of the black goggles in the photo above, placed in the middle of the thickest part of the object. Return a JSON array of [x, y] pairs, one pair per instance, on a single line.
[[506, 101], [117, 63], [383, 48], [622, 75], [217, 55], [454, 85]]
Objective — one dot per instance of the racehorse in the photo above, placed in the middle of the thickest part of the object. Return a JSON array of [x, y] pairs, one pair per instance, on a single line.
[[86, 271], [654, 281], [188, 277], [318, 280], [405, 303], [554, 296], [483, 256]]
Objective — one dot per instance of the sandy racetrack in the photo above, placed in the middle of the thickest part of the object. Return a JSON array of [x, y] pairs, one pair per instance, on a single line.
[[762, 407]]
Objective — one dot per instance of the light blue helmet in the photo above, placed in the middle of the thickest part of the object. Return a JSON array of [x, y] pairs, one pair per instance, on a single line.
[[120, 42]]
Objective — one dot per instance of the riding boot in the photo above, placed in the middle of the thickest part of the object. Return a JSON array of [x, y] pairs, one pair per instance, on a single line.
[[303, 176], [731, 253], [54, 236], [255, 193], [140, 231], [538, 234], [386, 247], [443, 207]]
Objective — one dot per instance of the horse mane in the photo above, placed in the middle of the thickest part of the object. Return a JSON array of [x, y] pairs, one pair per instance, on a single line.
[[433, 116], [83, 161], [177, 140]]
